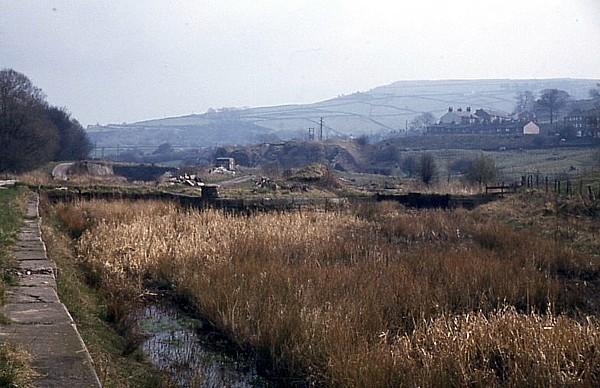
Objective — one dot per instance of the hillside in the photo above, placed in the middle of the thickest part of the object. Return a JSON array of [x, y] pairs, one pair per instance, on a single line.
[[382, 109]]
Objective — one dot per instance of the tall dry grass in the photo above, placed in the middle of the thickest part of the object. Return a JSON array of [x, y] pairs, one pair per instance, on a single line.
[[375, 297]]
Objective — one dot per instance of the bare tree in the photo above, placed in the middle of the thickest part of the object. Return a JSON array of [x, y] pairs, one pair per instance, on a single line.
[[422, 121], [525, 106], [164, 148], [552, 100], [27, 138], [482, 170], [427, 168], [409, 165], [31, 131], [73, 141]]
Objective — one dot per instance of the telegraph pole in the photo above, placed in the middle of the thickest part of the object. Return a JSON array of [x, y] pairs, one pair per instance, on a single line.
[[321, 129]]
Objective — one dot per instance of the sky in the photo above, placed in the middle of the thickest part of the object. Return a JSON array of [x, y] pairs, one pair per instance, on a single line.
[[130, 60]]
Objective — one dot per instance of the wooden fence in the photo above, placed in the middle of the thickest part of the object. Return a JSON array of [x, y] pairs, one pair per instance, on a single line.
[[561, 185]]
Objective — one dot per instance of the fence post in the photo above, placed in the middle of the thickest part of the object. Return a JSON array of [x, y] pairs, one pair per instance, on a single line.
[[546, 184], [522, 180], [581, 188], [590, 192], [537, 180]]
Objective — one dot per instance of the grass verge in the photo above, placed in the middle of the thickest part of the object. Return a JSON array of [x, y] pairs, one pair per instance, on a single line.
[[15, 370], [11, 216], [14, 367]]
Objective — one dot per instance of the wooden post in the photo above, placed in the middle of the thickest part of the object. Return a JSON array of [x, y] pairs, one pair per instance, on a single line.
[[581, 187], [537, 180], [590, 192], [546, 184]]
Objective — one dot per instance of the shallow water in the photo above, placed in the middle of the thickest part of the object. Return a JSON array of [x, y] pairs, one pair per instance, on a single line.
[[192, 355]]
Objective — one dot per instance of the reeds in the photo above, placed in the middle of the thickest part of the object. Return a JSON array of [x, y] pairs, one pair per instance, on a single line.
[[373, 297]]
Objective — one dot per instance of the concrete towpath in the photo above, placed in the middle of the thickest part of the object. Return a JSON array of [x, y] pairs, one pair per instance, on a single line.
[[39, 322]]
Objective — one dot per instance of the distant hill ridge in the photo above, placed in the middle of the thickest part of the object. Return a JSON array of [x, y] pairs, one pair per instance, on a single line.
[[382, 109]]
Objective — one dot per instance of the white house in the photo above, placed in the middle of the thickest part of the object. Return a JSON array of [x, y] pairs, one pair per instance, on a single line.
[[531, 128]]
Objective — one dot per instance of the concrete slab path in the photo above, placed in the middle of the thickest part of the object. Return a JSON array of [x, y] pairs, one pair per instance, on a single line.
[[39, 322]]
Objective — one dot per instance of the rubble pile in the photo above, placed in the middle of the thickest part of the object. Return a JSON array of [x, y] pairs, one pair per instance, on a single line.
[[222, 171], [186, 179], [266, 183]]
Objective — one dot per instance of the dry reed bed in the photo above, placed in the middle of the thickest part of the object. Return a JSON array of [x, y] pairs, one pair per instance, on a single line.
[[374, 297]]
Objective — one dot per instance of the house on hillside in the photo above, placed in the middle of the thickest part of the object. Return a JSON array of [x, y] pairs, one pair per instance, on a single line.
[[585, 122], [493, 116], [458, 117], [531, 128], [484, 121]]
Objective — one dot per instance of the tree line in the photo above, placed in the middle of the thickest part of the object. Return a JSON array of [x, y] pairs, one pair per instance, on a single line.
[[33, 132]]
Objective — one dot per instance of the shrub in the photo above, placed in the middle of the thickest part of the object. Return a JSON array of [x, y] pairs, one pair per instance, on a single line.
[[482, 170], [427, 168]]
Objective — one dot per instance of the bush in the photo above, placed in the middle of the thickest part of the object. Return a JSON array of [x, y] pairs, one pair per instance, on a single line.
[[460, 166], [427, 168], [410, 166], [362, 140], [482, 170]]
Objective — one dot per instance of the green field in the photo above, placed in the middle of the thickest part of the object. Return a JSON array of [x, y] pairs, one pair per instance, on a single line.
[[514, 163]]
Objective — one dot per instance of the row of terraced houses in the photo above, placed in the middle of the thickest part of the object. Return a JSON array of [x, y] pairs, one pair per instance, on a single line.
[[486, 121], [584, 121]]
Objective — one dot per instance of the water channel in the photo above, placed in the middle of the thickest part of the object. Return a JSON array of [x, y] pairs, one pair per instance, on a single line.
[[192, 354]]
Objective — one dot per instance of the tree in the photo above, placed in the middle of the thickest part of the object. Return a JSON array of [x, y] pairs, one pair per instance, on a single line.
[[27, 138], [552, 100], [387, 153], [362, 140], [482, 170], [460, 166], [409, 165], [422, 121], [427, 168], [31, 131], [164, 148], [525, 106], [73, 141], [568, 132]]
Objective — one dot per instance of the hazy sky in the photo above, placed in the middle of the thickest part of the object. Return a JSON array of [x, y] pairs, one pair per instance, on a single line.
[[114, 61]]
